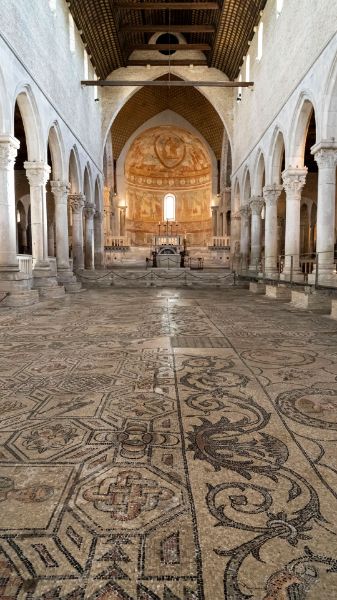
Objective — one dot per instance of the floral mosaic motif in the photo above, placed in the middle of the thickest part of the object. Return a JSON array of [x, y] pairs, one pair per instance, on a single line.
[[315, 407], [50, 437]]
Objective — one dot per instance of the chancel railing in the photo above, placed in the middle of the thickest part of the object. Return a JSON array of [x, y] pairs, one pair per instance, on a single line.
[[117, 242], [219, 242]]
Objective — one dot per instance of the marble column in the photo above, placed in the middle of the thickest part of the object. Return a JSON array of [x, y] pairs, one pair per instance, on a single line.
[[271, 194], [8, 255], [77, 203], [256, 205], [99, 240], [51, 237], [244, 240], [122, 220], [326, 158], [60, 191], [293, 181], [37, 175], [89, 236]]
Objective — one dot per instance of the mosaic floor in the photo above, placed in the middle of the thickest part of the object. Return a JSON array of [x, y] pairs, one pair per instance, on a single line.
[[167, 445]]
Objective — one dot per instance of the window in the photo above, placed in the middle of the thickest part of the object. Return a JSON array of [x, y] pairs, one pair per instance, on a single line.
[[239, 96], [169, 207], [95, 88], [72, 39], [279, 7], [248, 67], [52, 5], [260, 41], [86, 64]]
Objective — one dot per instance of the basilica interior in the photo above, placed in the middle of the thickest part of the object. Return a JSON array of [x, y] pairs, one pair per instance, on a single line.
[[168, 300]]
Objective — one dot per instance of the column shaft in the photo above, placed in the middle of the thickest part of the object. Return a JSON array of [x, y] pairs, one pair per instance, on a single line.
[[294, 181], [244, 240], [326, 159], [38, 174], [60, 191], [256, 205], [99, 240], [89, 236], [271, 194], [8, 256], [77, 204]]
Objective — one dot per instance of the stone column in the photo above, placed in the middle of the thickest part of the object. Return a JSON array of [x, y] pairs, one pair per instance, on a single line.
[[271, 194], [214, 220], [122, 219], [51, 237], [8, 256], [294, 181], [99, 240], [60, 191], [89, 236], [37, 175], [256, 205], [244, 241], [77, 204], [326, 158]]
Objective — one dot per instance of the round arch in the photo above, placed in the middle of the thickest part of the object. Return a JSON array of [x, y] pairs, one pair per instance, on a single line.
[[56, 147], [236, 197], [247, 188], [87, 184], [276, 153], [329, 126], [74, 171], [259, 174], [299, 128], [31, 123]]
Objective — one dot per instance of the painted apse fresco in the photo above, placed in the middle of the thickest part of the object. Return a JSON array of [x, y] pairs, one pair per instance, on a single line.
[[161, 160]]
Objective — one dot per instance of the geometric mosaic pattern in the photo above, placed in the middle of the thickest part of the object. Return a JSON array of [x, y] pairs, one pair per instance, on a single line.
[[134, 468]]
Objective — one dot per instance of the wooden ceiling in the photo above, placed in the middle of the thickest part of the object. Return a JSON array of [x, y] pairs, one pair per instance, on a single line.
[[113, 29], [148, 102]]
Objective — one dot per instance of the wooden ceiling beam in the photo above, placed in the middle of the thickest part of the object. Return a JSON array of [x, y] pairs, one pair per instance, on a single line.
[[166, 6], [165, 63], [165, 83], [167, 28], [158, 47]]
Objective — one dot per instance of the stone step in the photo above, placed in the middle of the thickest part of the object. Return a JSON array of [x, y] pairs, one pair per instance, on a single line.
[[25, 298], [48, 292]]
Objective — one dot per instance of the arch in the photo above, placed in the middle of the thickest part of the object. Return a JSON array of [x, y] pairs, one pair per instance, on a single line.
[[299, 128], [276, 153], [98, 194], [247, 189], [87, 184], [259, 174], [329, 126], [236, 197], [74, 171], [217, 98], [31, 123], [56, 147], [4, 106]]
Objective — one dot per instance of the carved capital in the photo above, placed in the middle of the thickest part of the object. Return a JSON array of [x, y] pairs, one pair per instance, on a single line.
[[89, 210], [8, 150], [60, 190], [76, 202], [236, 216], [37, 173], [294, 180], [244, 211], [98, 216], [256, 205], [326, 158], [271, 194]]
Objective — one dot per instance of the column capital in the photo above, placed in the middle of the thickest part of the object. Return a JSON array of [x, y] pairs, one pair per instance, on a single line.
[[59, 188], [9, 146], [256, 204], [98, 216], [271, 194], [236, 216], [326, 157], [244, 211], [89, 210], [37, 173], [76, 202], [294, 179], [214, 208]]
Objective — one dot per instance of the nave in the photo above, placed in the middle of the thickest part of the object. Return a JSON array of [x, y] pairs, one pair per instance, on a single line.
[[173, 444]]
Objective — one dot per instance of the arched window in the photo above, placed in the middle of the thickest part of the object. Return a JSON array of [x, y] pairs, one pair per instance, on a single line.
[[260, 42], [279, 6], [169, 207], [248, 67]]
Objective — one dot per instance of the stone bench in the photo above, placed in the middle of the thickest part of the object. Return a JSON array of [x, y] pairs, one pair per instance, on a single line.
[[311, 300]]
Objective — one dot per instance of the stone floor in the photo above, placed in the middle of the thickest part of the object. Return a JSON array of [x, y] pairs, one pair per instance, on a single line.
[[172, 445]]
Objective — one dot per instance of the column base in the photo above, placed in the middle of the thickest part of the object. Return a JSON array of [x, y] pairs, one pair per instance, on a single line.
[[328, 278], [69, 281], [316, 301], [278, 292], [297, 277], [15, 289], [25, 298], [46, 283]]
